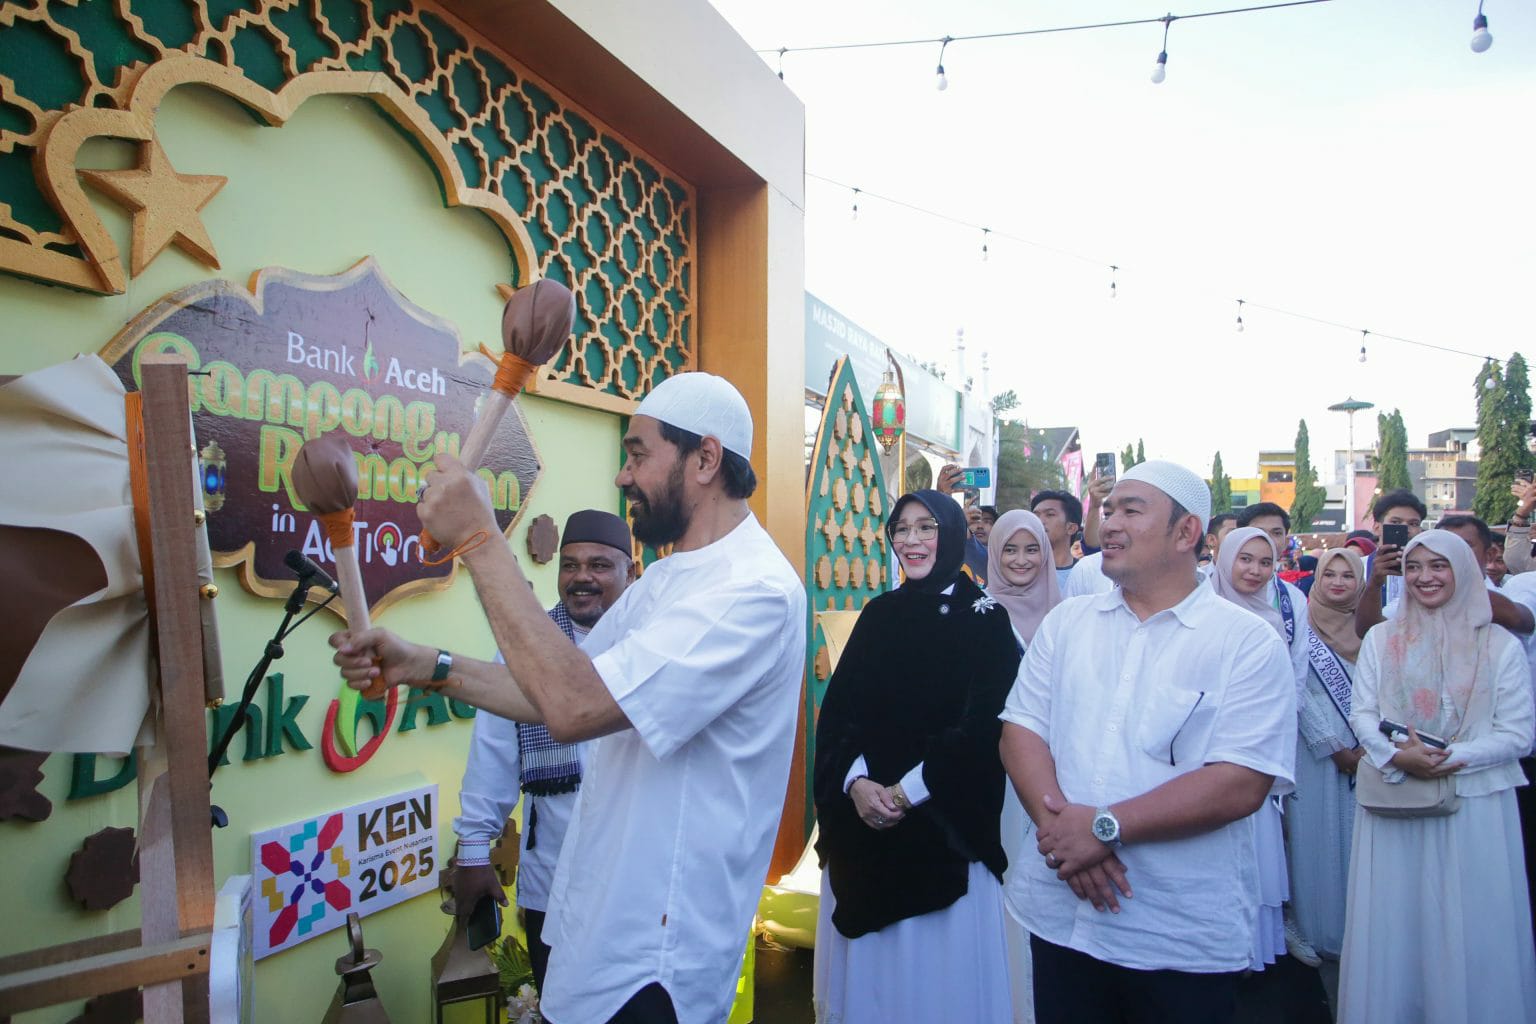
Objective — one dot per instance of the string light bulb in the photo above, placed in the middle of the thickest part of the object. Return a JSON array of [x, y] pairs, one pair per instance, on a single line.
[[855, 204], [1362, 345], [1490, 370], [1112, 270], [942, 81], [984, 233], [1481, 37], [1160, 70], [1239, 316], [782, 51]]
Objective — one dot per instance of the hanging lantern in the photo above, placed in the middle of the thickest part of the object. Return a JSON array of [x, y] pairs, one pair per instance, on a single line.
[[888, 412], [212, 463]]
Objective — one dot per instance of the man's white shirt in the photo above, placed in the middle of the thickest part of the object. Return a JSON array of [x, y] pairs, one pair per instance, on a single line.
[[674, 828], [489, 792], [1126, 706]]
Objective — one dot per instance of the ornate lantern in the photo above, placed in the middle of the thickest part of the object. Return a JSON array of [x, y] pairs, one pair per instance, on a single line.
[[212, 463], [461, 975], [356, 1001], [888, 412]]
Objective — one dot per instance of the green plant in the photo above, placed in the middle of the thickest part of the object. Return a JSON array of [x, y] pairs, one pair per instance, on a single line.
[[513, 965]]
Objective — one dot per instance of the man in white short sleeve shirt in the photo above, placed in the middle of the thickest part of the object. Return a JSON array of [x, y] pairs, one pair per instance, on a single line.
[[1142, 732], [692, 681]]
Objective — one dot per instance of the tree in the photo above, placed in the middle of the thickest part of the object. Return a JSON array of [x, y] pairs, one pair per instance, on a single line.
[[1309, 494], [1141, 451], [1392, 452], [1517, 395], [1023, 469], [1005, 403], [1221, 488], [1503, 423], [1127, 458]]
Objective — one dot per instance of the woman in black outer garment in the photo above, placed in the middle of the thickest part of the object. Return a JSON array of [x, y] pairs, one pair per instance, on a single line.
[[909, 789]]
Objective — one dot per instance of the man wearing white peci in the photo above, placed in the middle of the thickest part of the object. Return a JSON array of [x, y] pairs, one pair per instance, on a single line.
[[690, 685], [1146, 725]]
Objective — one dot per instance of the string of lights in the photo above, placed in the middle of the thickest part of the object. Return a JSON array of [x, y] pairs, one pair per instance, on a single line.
[[989, 234], [1481, 38]]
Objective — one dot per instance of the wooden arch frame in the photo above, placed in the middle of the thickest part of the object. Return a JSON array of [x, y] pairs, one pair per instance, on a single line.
[[101, 270]]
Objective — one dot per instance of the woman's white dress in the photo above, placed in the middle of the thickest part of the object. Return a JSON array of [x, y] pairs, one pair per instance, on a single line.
[[1268, 832], [1320, 820], [1438, 925], [949, 965]]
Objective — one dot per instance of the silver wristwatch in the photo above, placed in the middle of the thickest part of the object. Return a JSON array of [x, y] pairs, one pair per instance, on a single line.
[[1106, 827]]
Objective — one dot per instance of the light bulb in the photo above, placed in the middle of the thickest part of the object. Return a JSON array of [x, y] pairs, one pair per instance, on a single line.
[[1488, 384], [1161, 71], [942, 82], [1111, 289], [1362, 353], [1239, 324], [983, 252], [1481, 38]]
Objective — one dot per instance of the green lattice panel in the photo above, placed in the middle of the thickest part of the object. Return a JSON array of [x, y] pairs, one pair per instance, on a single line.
[[614, 226], [845, 547]]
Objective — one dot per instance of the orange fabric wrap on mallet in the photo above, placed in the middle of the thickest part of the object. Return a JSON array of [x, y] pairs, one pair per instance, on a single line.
[[534, 325], [325, 479]]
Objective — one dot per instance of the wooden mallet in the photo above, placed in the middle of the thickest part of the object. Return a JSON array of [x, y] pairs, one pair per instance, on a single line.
[[325, 479], [535, 324]]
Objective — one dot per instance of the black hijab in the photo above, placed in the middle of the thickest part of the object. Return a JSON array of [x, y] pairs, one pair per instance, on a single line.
[[953, 530]]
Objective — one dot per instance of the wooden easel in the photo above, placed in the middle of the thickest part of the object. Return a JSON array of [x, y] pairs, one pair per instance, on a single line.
[[169, 953]]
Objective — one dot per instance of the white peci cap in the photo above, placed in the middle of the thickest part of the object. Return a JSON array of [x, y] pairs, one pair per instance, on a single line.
[[1180, 484], [703, 404]]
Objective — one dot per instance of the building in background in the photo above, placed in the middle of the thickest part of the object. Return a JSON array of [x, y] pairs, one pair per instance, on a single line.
[[1277, 476], [1444, 472], [944, 423]]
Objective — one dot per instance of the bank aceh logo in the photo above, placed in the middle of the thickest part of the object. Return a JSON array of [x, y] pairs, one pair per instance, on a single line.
[[343, 360], [295, 874]]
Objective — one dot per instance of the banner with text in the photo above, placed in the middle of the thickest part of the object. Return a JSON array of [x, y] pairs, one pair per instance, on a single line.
[[310, 875], [300, 356]]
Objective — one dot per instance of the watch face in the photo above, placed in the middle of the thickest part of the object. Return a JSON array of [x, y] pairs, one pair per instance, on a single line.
[[1105, 828]]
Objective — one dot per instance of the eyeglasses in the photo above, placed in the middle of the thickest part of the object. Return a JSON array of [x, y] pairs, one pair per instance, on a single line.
[[927, 529]]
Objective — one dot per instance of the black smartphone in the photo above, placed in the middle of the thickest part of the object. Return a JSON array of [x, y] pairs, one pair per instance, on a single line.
[[976, 477], [1395, 534], [1104, 465], [1525, 476], [1389, 728], [484, 923]]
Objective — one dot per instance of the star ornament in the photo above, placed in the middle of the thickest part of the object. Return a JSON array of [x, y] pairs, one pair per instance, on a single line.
[[166, 206]]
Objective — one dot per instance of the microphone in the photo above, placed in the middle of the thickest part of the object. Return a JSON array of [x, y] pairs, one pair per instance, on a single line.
[[308, 572]]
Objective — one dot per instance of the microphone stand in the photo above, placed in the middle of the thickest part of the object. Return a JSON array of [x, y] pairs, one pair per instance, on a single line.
[[273, 651]]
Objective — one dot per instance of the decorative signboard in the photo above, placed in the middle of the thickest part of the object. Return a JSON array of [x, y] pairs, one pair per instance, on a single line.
[[299, 356], [311, 874]]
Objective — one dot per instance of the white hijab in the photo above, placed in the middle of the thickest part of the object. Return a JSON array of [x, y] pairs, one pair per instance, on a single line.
[[1221, 579], [1435, 660]]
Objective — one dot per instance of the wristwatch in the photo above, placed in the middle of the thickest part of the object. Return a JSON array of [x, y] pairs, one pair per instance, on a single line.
[[1106, 828], [443, 667]]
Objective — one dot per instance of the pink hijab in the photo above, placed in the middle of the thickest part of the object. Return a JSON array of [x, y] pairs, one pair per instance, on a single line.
[[1433, 659], [1221, 579], [1026, 606]]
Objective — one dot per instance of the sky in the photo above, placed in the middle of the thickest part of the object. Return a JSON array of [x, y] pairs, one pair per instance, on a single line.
[[1352, 161]]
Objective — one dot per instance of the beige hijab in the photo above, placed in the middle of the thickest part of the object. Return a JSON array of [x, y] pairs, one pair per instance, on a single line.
[[1221, 579], [1026, 605], [1435, 660], [1334, 621]]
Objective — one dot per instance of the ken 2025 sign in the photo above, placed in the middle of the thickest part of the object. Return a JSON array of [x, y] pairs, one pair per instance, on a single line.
[[364, 858]]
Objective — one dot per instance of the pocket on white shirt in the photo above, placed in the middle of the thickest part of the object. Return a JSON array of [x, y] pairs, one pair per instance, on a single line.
[[1176, 725]]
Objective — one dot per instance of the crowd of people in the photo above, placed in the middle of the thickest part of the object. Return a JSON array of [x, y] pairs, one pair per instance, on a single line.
[[1089, 761], [1227, 750]]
